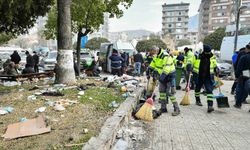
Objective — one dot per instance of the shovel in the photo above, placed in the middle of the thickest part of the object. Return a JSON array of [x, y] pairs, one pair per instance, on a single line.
[[222, 100]]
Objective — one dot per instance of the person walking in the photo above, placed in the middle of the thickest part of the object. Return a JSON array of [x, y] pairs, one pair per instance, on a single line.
[[36, 62], [138, 60], [15, 57], [116, 63], [165, 85], [29, 59], [243, 75], [125, 62], [205, 66]]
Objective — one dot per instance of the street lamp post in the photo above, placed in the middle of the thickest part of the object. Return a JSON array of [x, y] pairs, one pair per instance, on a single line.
[[237, 26]]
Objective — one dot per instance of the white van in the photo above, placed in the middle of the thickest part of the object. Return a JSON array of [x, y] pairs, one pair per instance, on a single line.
[[227, 46]]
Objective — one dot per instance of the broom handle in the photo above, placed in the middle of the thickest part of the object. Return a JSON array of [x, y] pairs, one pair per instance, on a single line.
[[188, 84], [219, 85]]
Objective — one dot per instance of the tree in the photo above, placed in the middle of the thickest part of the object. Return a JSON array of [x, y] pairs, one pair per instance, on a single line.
[[215, 39], [64, 68], [183, 42], [95, 43], [87, 16], [147, 45], [18, 16], [4, 38]]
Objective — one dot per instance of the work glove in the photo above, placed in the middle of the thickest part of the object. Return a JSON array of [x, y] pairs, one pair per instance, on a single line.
[[189, 68]]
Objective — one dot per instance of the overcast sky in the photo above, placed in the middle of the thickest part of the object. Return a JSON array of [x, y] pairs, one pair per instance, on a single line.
[[147, 14]]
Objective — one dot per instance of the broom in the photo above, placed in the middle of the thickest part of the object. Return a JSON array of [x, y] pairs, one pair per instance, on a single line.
[[146, 111], [186, 100]]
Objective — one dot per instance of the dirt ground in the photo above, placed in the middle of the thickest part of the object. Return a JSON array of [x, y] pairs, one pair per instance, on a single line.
[[68, 125]]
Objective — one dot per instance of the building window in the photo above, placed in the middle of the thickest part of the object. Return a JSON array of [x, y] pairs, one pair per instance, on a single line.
[[179, 19], [178, 30], [179, 13], [224, 7], [178, 24], [221, 20], [242, 19], [170, 25], [223, 0], [169, 30]]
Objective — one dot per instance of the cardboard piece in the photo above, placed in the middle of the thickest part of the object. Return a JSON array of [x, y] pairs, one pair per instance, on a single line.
[[28, 128]]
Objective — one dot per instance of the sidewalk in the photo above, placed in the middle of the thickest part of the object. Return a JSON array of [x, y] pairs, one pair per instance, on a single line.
[[195, 129]]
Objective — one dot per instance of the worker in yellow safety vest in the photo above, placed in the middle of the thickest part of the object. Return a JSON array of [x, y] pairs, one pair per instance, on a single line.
[[154, 70], [165, 85], [204, 68], [188, 64]]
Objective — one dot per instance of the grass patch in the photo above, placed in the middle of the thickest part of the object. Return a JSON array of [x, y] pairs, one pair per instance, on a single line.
[[101, 97]]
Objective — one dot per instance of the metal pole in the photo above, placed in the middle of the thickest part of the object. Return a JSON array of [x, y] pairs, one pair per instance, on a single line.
[[237, 24]]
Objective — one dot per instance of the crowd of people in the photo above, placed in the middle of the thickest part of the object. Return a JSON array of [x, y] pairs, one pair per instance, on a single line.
[[12, 66], [199, 69]]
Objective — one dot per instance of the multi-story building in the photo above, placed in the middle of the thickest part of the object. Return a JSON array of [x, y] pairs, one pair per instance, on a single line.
[[175, 20], [214, 14], [203, 19], [193, 37]]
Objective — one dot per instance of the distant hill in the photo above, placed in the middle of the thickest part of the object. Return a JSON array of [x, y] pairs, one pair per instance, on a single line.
[[193, 23]]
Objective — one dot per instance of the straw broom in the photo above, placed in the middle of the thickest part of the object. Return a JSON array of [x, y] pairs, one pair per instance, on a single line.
[[146, 111], [186, 99]]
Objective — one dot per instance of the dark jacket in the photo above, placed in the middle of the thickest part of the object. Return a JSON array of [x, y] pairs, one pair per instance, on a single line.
[[138, 58], [116, 61], [126, 59], [30, 60], [204, 69], [36, 59], [15, 58], [243, 64]]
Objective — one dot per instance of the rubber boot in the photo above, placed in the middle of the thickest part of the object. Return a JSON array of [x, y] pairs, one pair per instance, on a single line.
[[163, 108], [210, 106], [176, 109], [198, 101]]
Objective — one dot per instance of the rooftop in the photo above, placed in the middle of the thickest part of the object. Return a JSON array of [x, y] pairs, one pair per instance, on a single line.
[[177, 4]]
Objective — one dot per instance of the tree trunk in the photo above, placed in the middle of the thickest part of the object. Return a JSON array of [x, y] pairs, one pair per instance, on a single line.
[[65, 67], [78, 49]]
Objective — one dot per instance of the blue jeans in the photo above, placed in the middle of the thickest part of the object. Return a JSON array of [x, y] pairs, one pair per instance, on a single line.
[[241, 92], [137, 68]]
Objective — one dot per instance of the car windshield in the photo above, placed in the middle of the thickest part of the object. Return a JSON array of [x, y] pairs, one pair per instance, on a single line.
[[85, 55], [52, 55]]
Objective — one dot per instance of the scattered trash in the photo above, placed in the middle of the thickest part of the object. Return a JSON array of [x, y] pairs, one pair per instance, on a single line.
[[3, 112], [28, 128], [59, 107], [40, 110], [59, 85], [114, 104], [38, 93], [85, 131], [91, 84], [21, 90], [52, 93], [65, 102], [50, 103], [23, 119], [123, 89], [34, 88], [81, 93], [125, 95], [121, 145], [82, 87], [11, 83], [111, 85], [90, 98], [31, 98]]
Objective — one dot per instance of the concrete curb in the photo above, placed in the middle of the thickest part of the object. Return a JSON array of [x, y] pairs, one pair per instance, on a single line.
[[108, 133]]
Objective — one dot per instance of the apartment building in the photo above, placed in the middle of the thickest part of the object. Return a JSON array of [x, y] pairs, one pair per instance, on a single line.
[[214, 14], [175, 20], [193, 37]]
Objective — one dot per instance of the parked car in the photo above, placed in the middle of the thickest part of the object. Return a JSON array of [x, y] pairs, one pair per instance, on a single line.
[[225, 68], [50, 61]]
